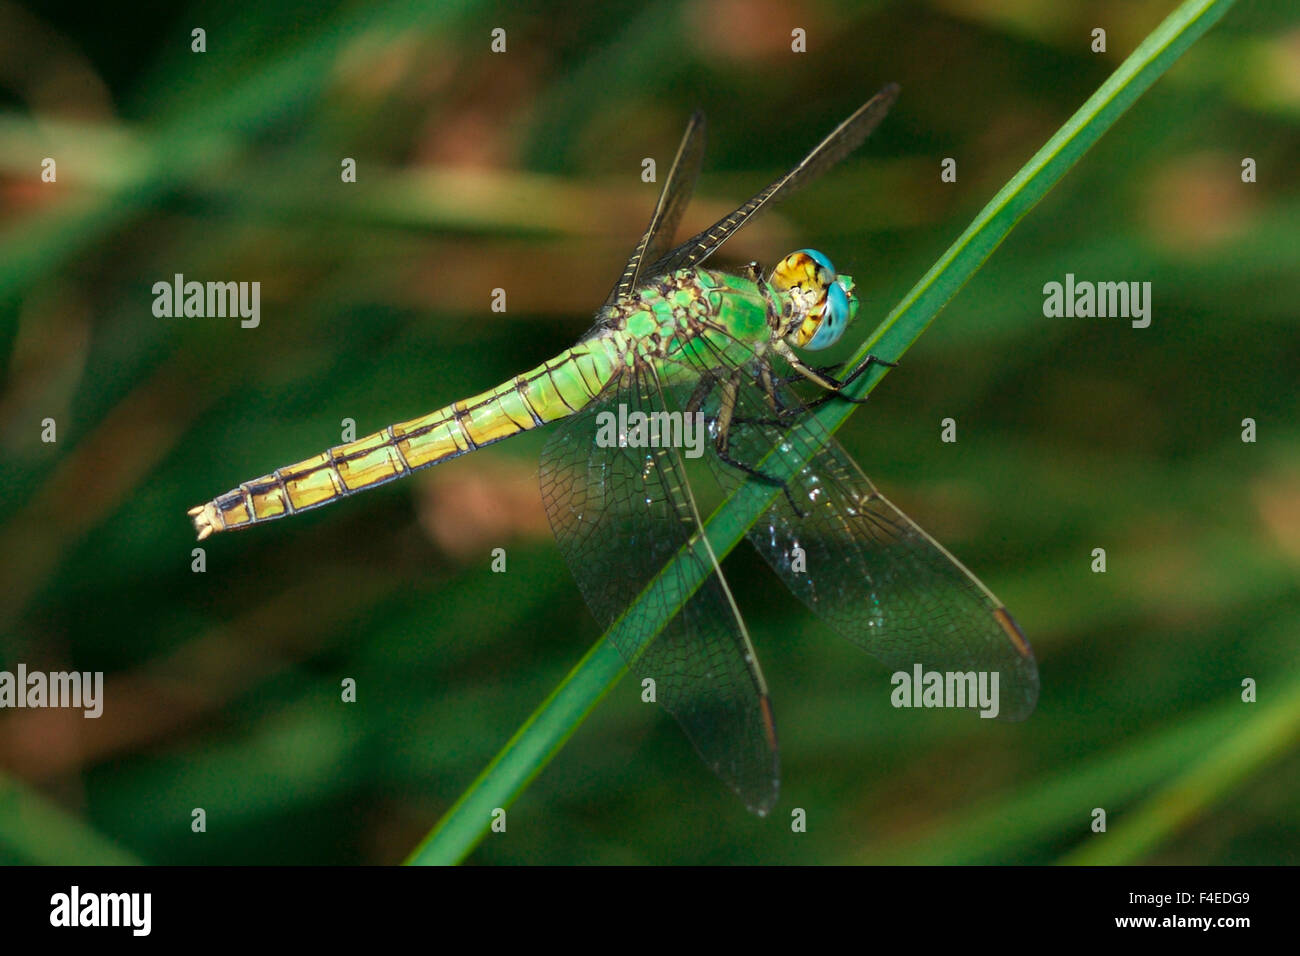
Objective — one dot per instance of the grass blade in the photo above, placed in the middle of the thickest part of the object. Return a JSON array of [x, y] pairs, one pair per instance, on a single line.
[[1247, 738], [36, 831]]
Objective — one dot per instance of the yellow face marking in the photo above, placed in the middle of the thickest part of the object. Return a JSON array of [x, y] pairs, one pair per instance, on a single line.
[[811, 323], [807, 281], [799, 270]]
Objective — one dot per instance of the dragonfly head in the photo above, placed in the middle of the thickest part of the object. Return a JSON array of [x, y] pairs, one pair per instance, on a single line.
[[823, 300]]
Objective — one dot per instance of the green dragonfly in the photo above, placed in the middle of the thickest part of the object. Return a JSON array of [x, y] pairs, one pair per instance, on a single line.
[[717, 350]]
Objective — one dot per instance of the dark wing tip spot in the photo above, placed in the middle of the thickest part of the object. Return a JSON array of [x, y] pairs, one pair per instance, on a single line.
[[1013, 631]]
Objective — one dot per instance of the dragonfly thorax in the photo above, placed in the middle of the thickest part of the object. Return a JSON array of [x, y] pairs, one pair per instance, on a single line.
[[690, 310]]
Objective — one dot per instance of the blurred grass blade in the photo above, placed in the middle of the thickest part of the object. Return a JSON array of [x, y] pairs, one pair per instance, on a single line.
[[1204, 756], [555, 720], [1228, 759], [199, 138], [36, 831]]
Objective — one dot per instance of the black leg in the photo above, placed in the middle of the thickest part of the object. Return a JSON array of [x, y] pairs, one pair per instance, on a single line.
[[747, 469], [835, 396], [836, 392], [865, 364], [699, 395], [772, 422], [760, 476], [784, 416]]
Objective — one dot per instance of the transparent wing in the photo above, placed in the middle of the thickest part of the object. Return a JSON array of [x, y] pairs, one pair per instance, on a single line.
[[673, 199], [843, 140], [620, 515], [865, 568]]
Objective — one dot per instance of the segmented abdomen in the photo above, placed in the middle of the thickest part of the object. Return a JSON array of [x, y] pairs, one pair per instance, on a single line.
[[549, 392]]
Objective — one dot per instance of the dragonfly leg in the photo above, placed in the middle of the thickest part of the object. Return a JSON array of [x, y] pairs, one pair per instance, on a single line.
[[865, 364], [725, 419], [761, 476], [767, 383], [832, 385], [823, 370], [701, 393], [777, 422]]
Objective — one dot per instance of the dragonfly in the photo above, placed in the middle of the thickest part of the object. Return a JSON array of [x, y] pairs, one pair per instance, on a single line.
[[720, 349]]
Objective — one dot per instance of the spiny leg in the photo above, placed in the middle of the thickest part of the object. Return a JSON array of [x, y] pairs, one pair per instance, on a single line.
[[824, 371], [768, 383], [838, 392], [724, 421], [821, 376], [832, 385], [701, 392]]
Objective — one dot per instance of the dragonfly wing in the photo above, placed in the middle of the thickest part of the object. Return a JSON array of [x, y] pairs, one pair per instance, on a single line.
[[843, 140], [673, 200], [621, 516], [862, 565]]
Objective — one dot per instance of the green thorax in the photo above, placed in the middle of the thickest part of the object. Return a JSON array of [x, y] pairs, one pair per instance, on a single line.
[[690, 318]]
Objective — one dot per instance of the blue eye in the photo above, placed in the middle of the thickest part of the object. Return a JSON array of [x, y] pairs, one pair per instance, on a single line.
[[835, 317], [820, 259]]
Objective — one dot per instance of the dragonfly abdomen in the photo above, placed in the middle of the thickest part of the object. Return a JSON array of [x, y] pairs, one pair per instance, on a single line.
[[553, 390]]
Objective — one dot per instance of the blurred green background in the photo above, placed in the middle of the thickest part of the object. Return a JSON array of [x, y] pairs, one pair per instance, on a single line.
[[521, 170]]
